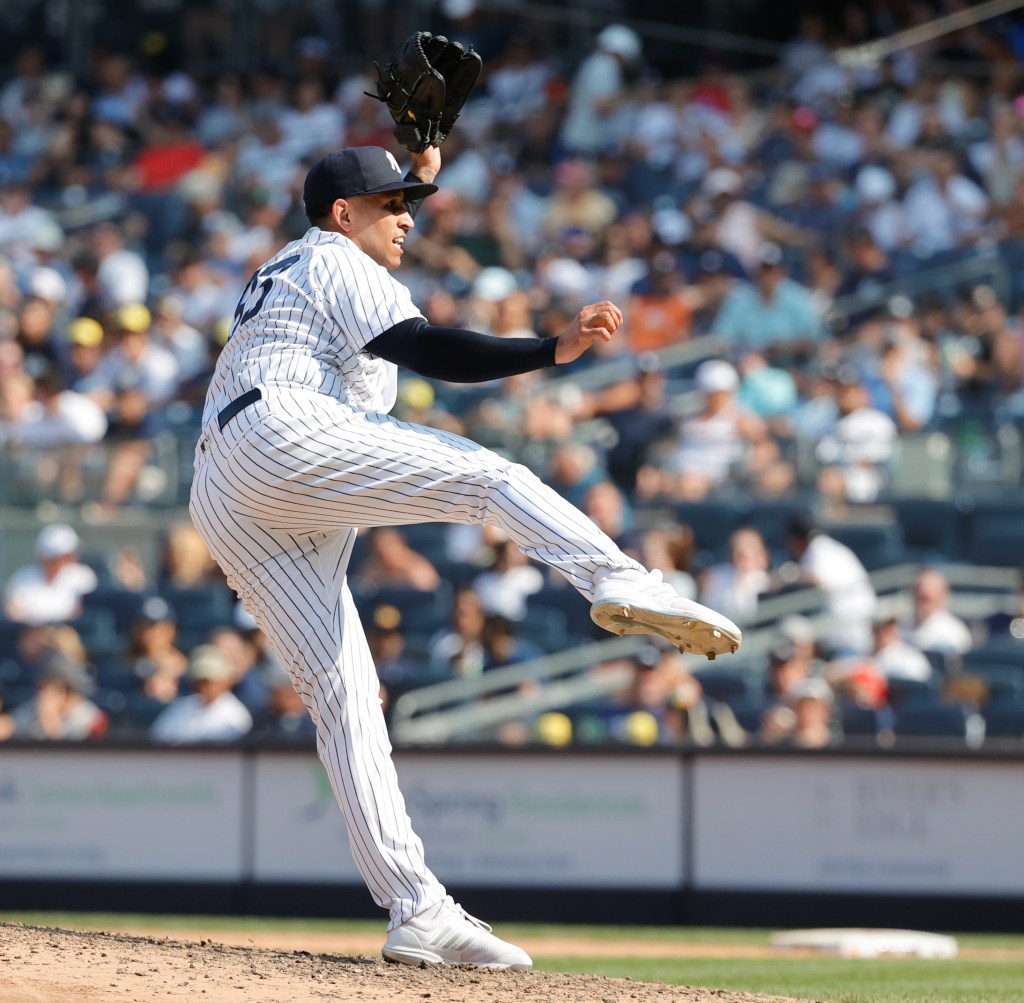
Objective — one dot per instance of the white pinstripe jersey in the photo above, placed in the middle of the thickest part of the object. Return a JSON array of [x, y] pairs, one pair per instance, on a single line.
[[303, 322]]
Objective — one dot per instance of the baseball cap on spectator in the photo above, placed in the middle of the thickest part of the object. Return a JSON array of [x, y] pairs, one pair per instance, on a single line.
[[46, 235], [566, 278], [716, 376], [57, 667], [672, 226], [619, 40], [722, 181], [875, 184], [56, 540], [358, 170], [769, 255], [208, 662], [133, 317], [155, 610], [796, 628], [47, 284], [494, 284], [811, 688], [85, 331]]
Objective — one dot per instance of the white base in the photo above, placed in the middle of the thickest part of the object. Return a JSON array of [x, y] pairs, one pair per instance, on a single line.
[[867, 943]]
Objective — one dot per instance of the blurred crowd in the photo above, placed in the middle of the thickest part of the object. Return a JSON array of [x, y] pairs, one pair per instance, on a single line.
[[846, 241]]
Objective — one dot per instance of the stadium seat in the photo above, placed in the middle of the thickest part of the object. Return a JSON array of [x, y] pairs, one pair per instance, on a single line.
[[932, 529], [200, 610], [908, 691], [98, 631], [940, 720], [571, 605], [861, 721], [711, 522], [1005, 719], [726, 686], [544, 627], [124, 605], [878, 545]]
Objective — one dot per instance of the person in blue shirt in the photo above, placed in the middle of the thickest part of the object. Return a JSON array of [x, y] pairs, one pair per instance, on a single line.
[[773, 314]]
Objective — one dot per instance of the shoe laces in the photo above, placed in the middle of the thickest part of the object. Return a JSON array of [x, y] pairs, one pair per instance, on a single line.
[[454, 907]]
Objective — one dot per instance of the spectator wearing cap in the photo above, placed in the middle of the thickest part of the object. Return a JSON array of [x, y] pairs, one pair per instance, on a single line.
[[37, 321], [735, 586], [61, 709], [775, 314], [153, 654], [720, 443], [498, 306], [855, 455], [807, 718], [85, 350], [880, 212], [831, 566], [212, 713], [51, 589], [597, 88], [132, 383], [284, 715]]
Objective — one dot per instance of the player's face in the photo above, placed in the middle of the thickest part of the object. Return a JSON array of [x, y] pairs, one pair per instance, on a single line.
[[379, 225]]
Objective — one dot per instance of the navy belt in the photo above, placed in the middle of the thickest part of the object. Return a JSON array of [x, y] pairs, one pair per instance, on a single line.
[[239, 404]]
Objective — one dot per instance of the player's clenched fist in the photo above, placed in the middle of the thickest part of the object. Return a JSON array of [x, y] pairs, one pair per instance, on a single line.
[[596, 322]]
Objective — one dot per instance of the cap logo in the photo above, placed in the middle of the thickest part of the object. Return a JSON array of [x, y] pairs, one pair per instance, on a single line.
[[392, 161]]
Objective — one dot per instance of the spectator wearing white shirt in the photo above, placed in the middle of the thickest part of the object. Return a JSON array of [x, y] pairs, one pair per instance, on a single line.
[[944, 209], [56, 417], [894, 657], [596, 88], [735, 586], [934, 627], [122, 275], [836, 570], [211, 714], [51, 590], [506, 585], [856, 452]]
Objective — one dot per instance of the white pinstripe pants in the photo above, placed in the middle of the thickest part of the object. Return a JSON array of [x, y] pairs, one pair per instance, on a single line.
[[278, 495]]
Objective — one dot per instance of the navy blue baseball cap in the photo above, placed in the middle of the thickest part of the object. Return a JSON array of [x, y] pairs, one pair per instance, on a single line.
[[358, 170]]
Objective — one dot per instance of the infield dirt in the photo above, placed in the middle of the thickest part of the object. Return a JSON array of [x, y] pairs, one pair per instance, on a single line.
[[41, 965]]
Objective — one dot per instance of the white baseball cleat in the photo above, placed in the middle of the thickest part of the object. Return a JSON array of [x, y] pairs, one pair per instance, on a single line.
[[447, 935], [634, 602]]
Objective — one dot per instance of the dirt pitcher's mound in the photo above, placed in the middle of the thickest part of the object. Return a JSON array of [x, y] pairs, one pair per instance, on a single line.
[[40, 965]]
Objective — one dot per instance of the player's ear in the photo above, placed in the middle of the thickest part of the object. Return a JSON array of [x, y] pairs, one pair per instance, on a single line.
[[341, 214]]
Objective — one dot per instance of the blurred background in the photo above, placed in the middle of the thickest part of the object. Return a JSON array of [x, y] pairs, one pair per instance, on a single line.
[[811, 420]]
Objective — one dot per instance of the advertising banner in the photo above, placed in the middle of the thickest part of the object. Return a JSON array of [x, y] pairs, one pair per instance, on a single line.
[[562, 821], [120, 815], [852, 825]]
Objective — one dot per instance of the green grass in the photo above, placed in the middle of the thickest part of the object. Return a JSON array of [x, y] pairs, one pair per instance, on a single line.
[[969, 980], [884, 981]]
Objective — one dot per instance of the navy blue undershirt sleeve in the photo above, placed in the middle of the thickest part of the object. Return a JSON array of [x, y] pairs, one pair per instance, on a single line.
[[414, 207], [457, 356]]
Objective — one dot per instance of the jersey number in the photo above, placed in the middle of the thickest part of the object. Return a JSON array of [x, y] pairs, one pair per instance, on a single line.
[[261, 280]]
